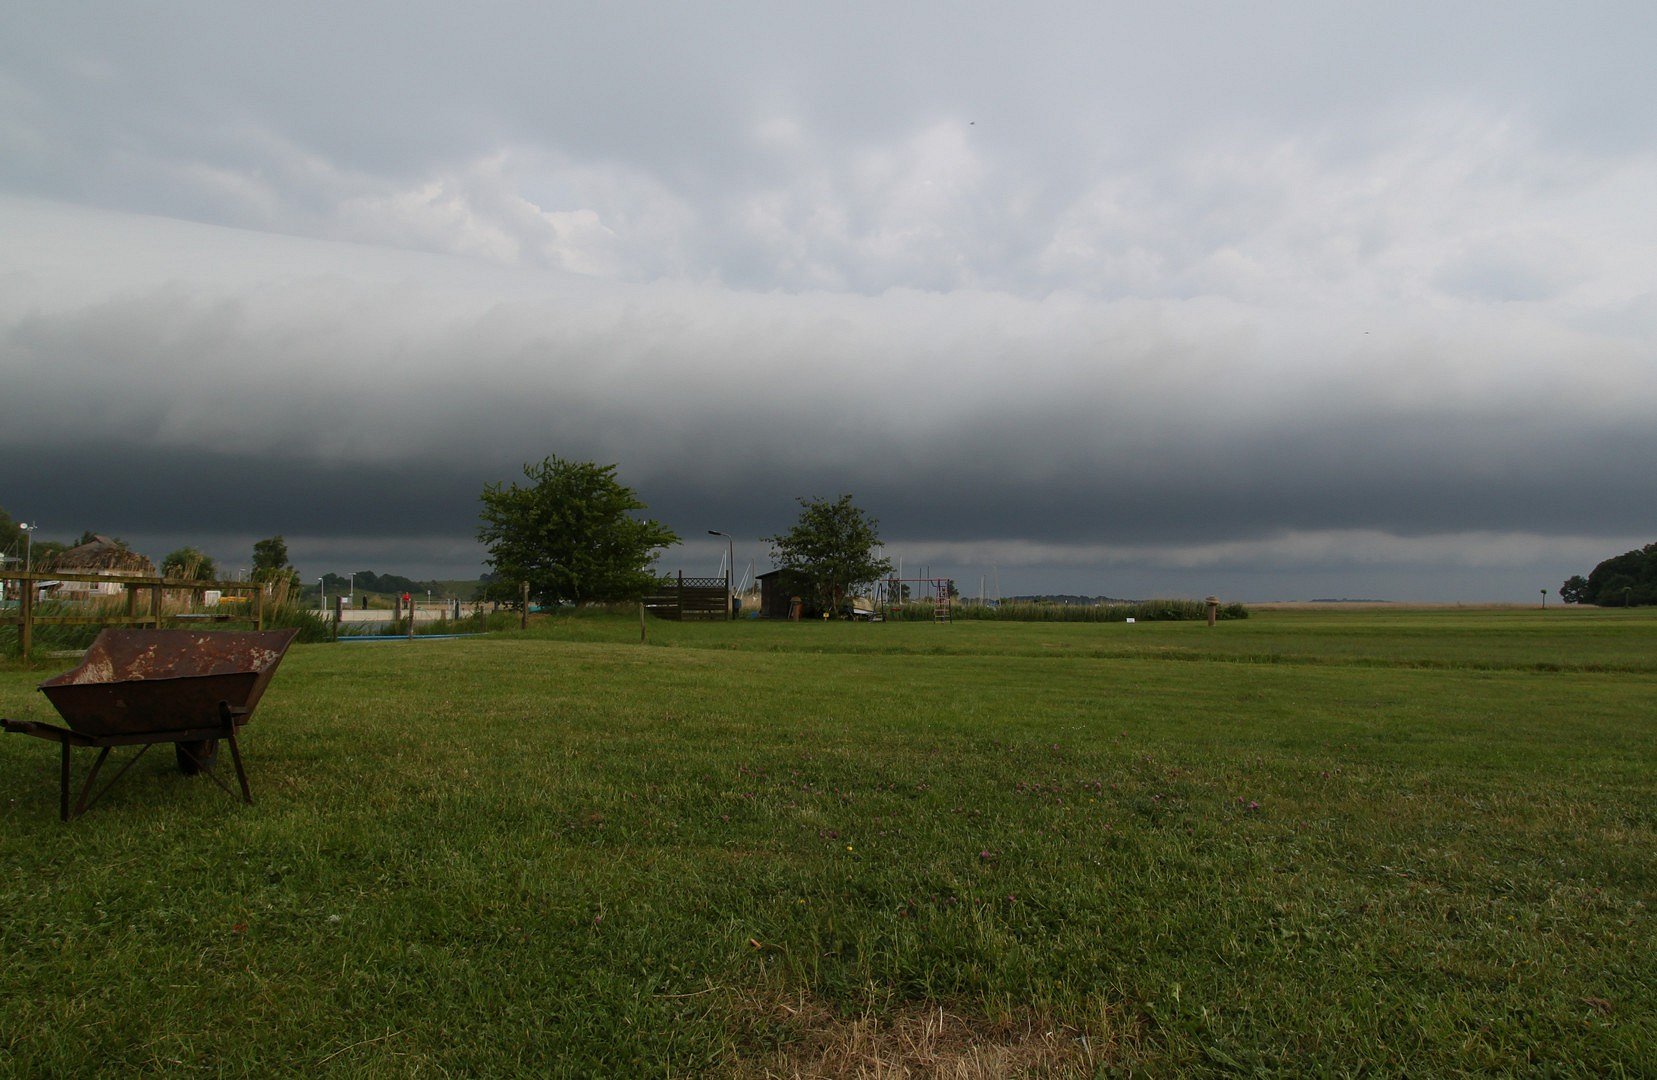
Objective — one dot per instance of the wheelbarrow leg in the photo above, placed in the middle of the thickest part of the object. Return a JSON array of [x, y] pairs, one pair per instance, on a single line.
[[63, 787], [241, 774], [87, 797], [228, 715], [91, 777]]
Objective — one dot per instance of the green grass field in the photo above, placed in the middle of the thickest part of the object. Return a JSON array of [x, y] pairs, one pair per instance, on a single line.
[[1377, 842]]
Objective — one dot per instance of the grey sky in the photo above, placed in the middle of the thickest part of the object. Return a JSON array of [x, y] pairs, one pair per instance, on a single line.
[[1269, 300]]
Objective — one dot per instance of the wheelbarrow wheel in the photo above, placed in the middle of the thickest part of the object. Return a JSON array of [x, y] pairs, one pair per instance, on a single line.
[[193, 757]]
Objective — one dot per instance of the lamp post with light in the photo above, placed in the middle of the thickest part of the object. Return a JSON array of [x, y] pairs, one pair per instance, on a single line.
[[730, 569], [28, 544]]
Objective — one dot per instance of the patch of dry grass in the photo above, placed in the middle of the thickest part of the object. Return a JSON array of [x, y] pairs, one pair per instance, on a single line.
[[813, 1042]]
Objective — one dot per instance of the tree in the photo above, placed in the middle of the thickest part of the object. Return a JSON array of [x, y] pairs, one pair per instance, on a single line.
[[1575, 590], [833, 547], [570, 532], [189, 564], [1629, 579], [270, 562], [11, 538]]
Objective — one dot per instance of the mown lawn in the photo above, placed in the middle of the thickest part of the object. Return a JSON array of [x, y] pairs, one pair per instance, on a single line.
[[1362, 842]]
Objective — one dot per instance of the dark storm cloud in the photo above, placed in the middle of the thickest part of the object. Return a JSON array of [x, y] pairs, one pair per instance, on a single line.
[[333, 391]]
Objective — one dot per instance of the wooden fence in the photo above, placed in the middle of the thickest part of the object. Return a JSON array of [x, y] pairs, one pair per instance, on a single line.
[[151, 613], [691, 598]]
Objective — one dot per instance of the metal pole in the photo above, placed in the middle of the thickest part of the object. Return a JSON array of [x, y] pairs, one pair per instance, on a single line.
[[730, 565]]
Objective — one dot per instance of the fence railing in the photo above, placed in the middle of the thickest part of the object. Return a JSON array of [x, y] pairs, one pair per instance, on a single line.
[[100, 612]]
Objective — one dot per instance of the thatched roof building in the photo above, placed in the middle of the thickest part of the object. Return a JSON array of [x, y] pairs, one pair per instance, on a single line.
[[101, 554]]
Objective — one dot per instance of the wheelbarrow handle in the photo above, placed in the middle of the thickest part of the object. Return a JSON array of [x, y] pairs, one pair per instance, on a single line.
[[37, 729]]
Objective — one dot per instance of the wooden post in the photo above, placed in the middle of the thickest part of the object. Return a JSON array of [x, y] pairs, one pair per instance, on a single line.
[[155, 606], [523, 606], [339, 604], [1213, 609], [26, 608], [641, 622], [259, 607]]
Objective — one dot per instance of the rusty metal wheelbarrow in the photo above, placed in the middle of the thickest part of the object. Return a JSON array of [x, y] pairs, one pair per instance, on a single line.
[[141, 687]]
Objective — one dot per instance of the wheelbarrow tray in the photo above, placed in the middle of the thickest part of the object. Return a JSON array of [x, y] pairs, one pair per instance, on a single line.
[[138, 682], [148, 707]]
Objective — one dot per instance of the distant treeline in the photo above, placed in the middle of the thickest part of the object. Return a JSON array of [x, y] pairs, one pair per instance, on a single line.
[[369, 581], [1064, 598], [1627, 580], [1118, 611]]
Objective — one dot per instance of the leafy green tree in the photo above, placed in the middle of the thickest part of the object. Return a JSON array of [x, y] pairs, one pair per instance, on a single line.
[[1628, 579], [270, 562], [1575, 590], [571, 533], [43, 552], [189, 564], [833, 546], [11, 538]]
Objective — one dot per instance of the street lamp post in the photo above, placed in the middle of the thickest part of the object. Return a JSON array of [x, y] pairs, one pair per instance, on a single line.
[[730, 568], [28, 544]]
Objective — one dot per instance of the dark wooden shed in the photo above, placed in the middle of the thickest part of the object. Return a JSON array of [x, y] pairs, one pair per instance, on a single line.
[[777, 590]]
